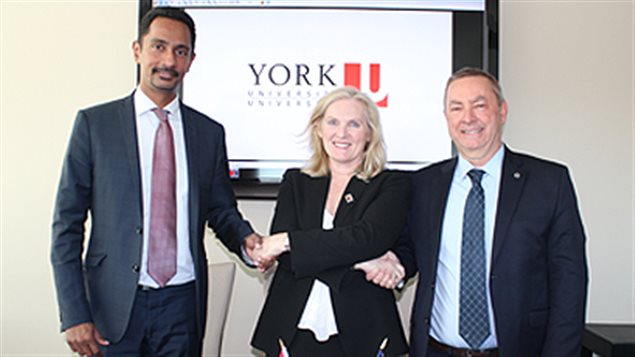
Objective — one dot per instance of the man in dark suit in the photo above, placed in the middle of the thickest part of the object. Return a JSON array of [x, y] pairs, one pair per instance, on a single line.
[[151, 171], [497, 240]]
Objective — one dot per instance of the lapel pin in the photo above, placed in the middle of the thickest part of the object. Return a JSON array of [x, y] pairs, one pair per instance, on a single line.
[[348, 198], [516, 175]]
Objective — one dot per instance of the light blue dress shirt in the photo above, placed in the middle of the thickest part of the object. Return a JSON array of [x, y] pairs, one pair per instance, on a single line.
[[444, 325]]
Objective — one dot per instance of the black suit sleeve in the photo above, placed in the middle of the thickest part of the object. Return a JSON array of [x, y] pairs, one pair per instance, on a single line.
[[223, 216], [405, 251], [567, 275], [404, 248]]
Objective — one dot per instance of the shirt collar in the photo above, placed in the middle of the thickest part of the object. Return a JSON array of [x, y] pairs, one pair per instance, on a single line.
[[492, 168], [144, 104]]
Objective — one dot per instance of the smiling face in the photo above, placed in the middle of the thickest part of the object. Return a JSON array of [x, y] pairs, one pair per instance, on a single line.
[[164, 56], [345, 133], [475, 118]]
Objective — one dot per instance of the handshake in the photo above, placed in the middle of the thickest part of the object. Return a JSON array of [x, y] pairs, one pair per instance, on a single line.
[[385, 271], [263, 251]]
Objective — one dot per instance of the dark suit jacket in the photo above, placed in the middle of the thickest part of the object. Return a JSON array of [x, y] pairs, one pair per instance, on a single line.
[[538, 277], [101, 174], [364, 227]]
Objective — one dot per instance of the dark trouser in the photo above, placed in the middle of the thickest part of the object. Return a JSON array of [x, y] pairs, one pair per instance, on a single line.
[[162, 323], [304, 344]]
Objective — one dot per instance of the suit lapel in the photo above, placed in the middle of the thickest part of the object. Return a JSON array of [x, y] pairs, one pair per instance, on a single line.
[[439, 190], [315, 208], [190, 139], [352, 194], [513, 178], [127, 120]]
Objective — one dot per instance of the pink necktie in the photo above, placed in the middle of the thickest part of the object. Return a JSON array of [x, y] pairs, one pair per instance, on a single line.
[[162, 249]]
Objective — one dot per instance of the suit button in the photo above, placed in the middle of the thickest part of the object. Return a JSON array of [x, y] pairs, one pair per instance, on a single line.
[[139, 230], [135, 268], [426, 322]]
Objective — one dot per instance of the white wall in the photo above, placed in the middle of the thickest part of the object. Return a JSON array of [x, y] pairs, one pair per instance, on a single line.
[[566, 67], [56, 57]]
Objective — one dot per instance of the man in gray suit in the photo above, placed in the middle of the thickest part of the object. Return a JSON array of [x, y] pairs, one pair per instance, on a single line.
[[151, 171]]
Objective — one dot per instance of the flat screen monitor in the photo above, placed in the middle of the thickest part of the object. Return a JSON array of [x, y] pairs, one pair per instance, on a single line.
[[261, 66]]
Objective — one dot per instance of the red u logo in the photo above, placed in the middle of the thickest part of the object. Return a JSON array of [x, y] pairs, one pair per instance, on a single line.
[[352, 77]]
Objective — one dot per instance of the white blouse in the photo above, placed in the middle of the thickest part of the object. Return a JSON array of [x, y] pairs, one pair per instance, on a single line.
[[318, 316]]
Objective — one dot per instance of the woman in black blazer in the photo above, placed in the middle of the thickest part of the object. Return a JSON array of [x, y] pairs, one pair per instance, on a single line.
[[343, 208]]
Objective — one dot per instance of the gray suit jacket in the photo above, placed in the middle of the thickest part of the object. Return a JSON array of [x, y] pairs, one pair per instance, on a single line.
[[101, 175]]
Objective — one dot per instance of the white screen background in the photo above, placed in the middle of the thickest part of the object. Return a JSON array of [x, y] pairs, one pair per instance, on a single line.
[[413, 48]]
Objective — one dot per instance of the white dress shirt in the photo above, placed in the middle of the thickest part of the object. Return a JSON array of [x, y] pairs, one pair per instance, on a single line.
[[147, 124], [318, 316], [444, 326]]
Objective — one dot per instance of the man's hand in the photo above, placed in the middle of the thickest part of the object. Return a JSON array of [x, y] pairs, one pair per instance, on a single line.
[[385, 271], [84, 339], [251, 243], [272, 246]]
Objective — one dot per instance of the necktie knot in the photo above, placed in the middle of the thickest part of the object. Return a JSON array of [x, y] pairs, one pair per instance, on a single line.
[[476, 175], [161, 114]]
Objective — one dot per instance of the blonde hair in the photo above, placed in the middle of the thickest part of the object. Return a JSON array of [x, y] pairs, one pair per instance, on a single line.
[[374, 159]]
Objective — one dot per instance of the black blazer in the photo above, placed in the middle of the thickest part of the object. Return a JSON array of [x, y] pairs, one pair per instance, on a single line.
[[365, 226], [101, 174], [538, 278]]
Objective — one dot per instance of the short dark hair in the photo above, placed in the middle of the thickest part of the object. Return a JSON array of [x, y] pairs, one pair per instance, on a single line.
[[475, 72], [171, 13]]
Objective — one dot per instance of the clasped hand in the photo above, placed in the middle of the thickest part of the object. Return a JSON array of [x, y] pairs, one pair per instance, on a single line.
[[385, 271], [264, 251]]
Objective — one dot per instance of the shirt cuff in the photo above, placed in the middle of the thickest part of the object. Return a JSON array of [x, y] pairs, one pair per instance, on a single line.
[[246, 258]]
